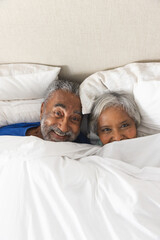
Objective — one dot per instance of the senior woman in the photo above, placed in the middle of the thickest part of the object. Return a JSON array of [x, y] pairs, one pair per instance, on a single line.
[[114, 117]]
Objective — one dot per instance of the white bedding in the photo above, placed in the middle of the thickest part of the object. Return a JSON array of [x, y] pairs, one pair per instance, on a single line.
[[70, 191]]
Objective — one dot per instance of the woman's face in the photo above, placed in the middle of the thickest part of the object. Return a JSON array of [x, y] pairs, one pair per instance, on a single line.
[[114, 124]]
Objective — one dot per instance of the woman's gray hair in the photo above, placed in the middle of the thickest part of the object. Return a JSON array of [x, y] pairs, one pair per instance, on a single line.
[[114, 99], [68, 86]]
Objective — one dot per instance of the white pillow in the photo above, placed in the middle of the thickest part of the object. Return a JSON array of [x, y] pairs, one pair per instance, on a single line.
[[25, 81], [140, 79], [22, 88], [147, 97], [20, 111]]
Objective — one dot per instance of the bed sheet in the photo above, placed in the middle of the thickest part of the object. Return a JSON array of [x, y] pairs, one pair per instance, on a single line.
[[71, 191]]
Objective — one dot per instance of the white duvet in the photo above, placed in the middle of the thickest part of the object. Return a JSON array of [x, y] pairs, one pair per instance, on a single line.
[[70, 191]]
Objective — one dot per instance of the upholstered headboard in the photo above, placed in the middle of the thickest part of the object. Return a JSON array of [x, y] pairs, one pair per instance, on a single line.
[[82, 36]]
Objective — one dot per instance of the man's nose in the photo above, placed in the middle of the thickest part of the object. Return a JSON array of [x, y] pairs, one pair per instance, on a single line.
[[63, 125]]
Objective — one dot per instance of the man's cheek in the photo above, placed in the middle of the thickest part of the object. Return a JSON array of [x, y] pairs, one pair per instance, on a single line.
[[48, 121]]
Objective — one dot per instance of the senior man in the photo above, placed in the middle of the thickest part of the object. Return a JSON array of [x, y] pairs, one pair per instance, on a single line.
[[60, 116]]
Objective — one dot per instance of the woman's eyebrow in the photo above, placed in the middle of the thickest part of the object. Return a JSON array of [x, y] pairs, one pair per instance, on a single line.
[[105, 126], [123, 122]]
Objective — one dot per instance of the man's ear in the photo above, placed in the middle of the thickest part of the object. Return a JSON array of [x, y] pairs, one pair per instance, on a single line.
[[42, 110]]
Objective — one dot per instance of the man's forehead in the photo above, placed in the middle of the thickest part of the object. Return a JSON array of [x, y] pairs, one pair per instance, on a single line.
[[61, 94], [65, 100]]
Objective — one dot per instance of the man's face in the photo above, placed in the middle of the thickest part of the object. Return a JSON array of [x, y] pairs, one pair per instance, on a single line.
[[61, 117]]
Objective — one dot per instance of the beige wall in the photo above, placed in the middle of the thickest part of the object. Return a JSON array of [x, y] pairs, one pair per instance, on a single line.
[[82, 36]]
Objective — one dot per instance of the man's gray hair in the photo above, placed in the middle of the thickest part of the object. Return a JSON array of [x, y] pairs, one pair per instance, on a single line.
[[114, 99], [72, 87]]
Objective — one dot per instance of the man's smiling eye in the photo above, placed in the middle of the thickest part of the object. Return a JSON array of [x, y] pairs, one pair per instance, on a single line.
[[76, 119], [58, 113]]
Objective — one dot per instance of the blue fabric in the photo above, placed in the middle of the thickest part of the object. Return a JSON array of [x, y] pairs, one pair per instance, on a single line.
[[20, 129]]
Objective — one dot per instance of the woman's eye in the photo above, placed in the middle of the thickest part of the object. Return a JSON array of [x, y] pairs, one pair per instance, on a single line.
[[106, 130], [124, 125]]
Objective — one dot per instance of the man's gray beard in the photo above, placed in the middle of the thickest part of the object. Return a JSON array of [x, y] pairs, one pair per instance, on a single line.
[[45, 130]]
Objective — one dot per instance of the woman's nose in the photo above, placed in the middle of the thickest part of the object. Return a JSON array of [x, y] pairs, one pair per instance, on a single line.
[[117, 136]]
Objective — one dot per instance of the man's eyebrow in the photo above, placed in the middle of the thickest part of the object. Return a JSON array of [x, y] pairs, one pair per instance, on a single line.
[[60, 105], [78, 112], [63, 106]]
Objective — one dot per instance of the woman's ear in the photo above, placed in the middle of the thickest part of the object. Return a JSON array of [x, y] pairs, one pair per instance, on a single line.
[[42, 110]]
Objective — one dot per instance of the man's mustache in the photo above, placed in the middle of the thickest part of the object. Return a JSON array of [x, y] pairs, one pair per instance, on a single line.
[[59, 132]]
